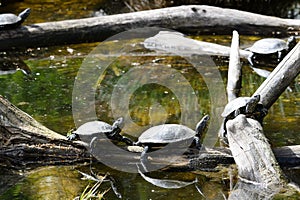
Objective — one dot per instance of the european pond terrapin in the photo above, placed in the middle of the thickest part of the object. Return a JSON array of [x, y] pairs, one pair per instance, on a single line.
[[10, 21]]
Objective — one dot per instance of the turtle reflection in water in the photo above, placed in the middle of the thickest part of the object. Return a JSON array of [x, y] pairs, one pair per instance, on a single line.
[[90, 131], [171, 133], [266, 48], [248, 106], [10, 21]]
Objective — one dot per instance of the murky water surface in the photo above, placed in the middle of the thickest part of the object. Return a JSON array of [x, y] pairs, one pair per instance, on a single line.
[[167, 89]]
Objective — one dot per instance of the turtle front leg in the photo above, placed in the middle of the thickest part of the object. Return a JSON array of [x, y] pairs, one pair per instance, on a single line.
[[144, 158], [73, 136], [127, 140], [280, 56], [91, 144], [251, 59], [197, 142], [121, 138]]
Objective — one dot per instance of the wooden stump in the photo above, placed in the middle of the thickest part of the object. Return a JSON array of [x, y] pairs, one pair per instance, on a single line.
[[253, 154]]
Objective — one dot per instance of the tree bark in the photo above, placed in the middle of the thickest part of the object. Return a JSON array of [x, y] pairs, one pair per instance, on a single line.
[[234, 80], [26, 143], [252, 153], [195, 19], [280, 78]]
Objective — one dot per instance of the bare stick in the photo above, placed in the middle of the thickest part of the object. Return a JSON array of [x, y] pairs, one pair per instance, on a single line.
[[234, 70]]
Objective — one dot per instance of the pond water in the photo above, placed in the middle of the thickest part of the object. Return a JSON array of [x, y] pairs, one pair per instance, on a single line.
[[160, 88]]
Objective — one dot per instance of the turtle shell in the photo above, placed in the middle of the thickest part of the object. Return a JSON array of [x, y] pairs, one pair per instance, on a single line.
[[268, 46], [166, 133], [9, 20], [93, 128], [234, 105]]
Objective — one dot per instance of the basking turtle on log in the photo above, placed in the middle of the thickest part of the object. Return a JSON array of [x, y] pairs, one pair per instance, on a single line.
[[270, 47], [171, 133], [89, 131], [11, 21], [248, 106]]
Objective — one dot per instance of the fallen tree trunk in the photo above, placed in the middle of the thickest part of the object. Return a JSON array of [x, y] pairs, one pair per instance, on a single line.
[[178, 44], [198, 19], [26, 143]]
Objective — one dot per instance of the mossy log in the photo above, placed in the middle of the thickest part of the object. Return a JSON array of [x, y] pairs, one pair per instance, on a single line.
[[193, 19]]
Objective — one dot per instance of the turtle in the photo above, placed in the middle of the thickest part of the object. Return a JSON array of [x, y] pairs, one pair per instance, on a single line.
[[170, 133], [89, 131], [248, 106], [10, 21], [271, 46]]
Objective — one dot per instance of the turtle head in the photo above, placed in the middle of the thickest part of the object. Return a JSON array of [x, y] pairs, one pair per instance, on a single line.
[[200, 127], [255, 98], [251, 105], [25, 13], [119, 123], [291, 43]]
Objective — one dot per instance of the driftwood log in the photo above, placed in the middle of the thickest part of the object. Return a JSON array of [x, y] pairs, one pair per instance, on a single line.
[[252, 152], [260, 176], [280, 78], [26, 143], [177, 43], [259, 173], [196, 19]]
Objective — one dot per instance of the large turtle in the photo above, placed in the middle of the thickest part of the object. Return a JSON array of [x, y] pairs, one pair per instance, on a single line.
[[10, 21], [248, 106], [89, 131], [170, 133], [271, 46]]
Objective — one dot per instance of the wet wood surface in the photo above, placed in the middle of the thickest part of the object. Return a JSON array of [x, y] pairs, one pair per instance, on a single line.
[[26, 143], [193, 19], [280, 78], [234, 80], [252, 153]]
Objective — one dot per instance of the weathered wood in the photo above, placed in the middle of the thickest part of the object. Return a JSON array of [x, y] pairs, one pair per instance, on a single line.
[[260, 177], [187, 19], [252, 153], [177, 43], [234, 82], [280, 78], [26, 143]]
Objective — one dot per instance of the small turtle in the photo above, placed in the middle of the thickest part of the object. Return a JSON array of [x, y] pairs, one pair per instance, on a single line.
[[271, 46], [89, 131], [248, 106], [10, 21], [170, 133]]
